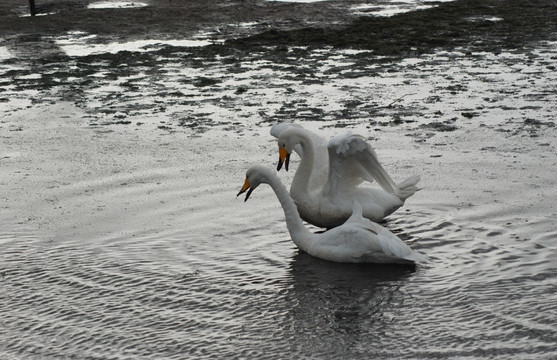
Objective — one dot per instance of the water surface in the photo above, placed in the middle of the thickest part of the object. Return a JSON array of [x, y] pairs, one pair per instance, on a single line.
[[122, 237]]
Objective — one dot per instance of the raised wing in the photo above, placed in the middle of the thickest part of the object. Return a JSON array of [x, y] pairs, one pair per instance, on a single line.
[[351, 161]]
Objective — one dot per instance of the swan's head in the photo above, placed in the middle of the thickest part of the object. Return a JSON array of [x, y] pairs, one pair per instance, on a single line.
[[254, 177], [287, 140], [286, 143]]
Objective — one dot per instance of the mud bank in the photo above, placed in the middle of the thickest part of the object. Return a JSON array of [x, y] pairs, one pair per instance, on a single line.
[[483, 25], [477, 25]]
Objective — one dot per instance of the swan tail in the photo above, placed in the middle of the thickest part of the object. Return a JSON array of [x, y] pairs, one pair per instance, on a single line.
[[407, 188], [416, 257]]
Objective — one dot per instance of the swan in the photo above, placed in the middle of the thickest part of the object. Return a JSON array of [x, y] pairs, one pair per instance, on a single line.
[[358, 240], [329, 176]]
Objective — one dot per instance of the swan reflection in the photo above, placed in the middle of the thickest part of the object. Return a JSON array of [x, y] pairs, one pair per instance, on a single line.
[[330, 304]]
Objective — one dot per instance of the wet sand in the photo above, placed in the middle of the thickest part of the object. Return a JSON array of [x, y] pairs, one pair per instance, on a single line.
[[136, 157]]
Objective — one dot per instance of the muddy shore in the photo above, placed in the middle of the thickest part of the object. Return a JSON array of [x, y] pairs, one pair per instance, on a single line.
[[447, 25]]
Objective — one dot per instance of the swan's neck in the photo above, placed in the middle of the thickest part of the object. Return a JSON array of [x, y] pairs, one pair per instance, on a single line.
[[300, 182], [298, 232]]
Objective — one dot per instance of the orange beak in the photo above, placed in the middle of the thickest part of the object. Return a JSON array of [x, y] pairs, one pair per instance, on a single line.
[[244, 188], [284, 158]]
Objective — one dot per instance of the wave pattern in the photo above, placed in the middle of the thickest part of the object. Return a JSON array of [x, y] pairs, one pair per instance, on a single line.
[[251, 294], [125, 265]]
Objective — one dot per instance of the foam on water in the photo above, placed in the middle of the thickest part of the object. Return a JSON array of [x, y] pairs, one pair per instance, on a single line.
[[299, 1], [115, 4], [78, 44], [388, 10], [5, 53]]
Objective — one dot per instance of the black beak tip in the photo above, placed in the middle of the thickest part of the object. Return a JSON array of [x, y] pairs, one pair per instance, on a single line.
[[248, 194], [241, 192]]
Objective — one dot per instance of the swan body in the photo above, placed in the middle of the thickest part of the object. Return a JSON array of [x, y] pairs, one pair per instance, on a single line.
[[330, 175], [358, 240]]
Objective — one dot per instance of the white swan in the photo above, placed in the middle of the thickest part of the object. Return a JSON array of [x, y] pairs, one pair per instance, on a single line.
[[357, 240], [329, 176]]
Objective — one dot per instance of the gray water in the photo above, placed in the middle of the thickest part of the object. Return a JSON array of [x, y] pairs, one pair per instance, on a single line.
[[250, 293], [122, 237]]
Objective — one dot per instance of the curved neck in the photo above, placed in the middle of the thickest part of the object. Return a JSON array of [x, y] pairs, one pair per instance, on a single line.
[[298, 232], [300, 182]]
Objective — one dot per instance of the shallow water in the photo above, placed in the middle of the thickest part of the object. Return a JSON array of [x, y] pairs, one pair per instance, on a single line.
[[160, 260], [219, 276], [122, 236]]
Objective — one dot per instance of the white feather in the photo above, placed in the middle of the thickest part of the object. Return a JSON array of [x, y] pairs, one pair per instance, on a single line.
[[330, 176], [357, 240]]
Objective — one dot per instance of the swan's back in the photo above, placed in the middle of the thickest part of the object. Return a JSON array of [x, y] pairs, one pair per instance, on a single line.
[[357, 243], [361, 240]]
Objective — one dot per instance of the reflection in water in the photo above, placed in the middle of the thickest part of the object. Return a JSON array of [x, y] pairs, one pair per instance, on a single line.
[[335, 306], [307, 270]]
